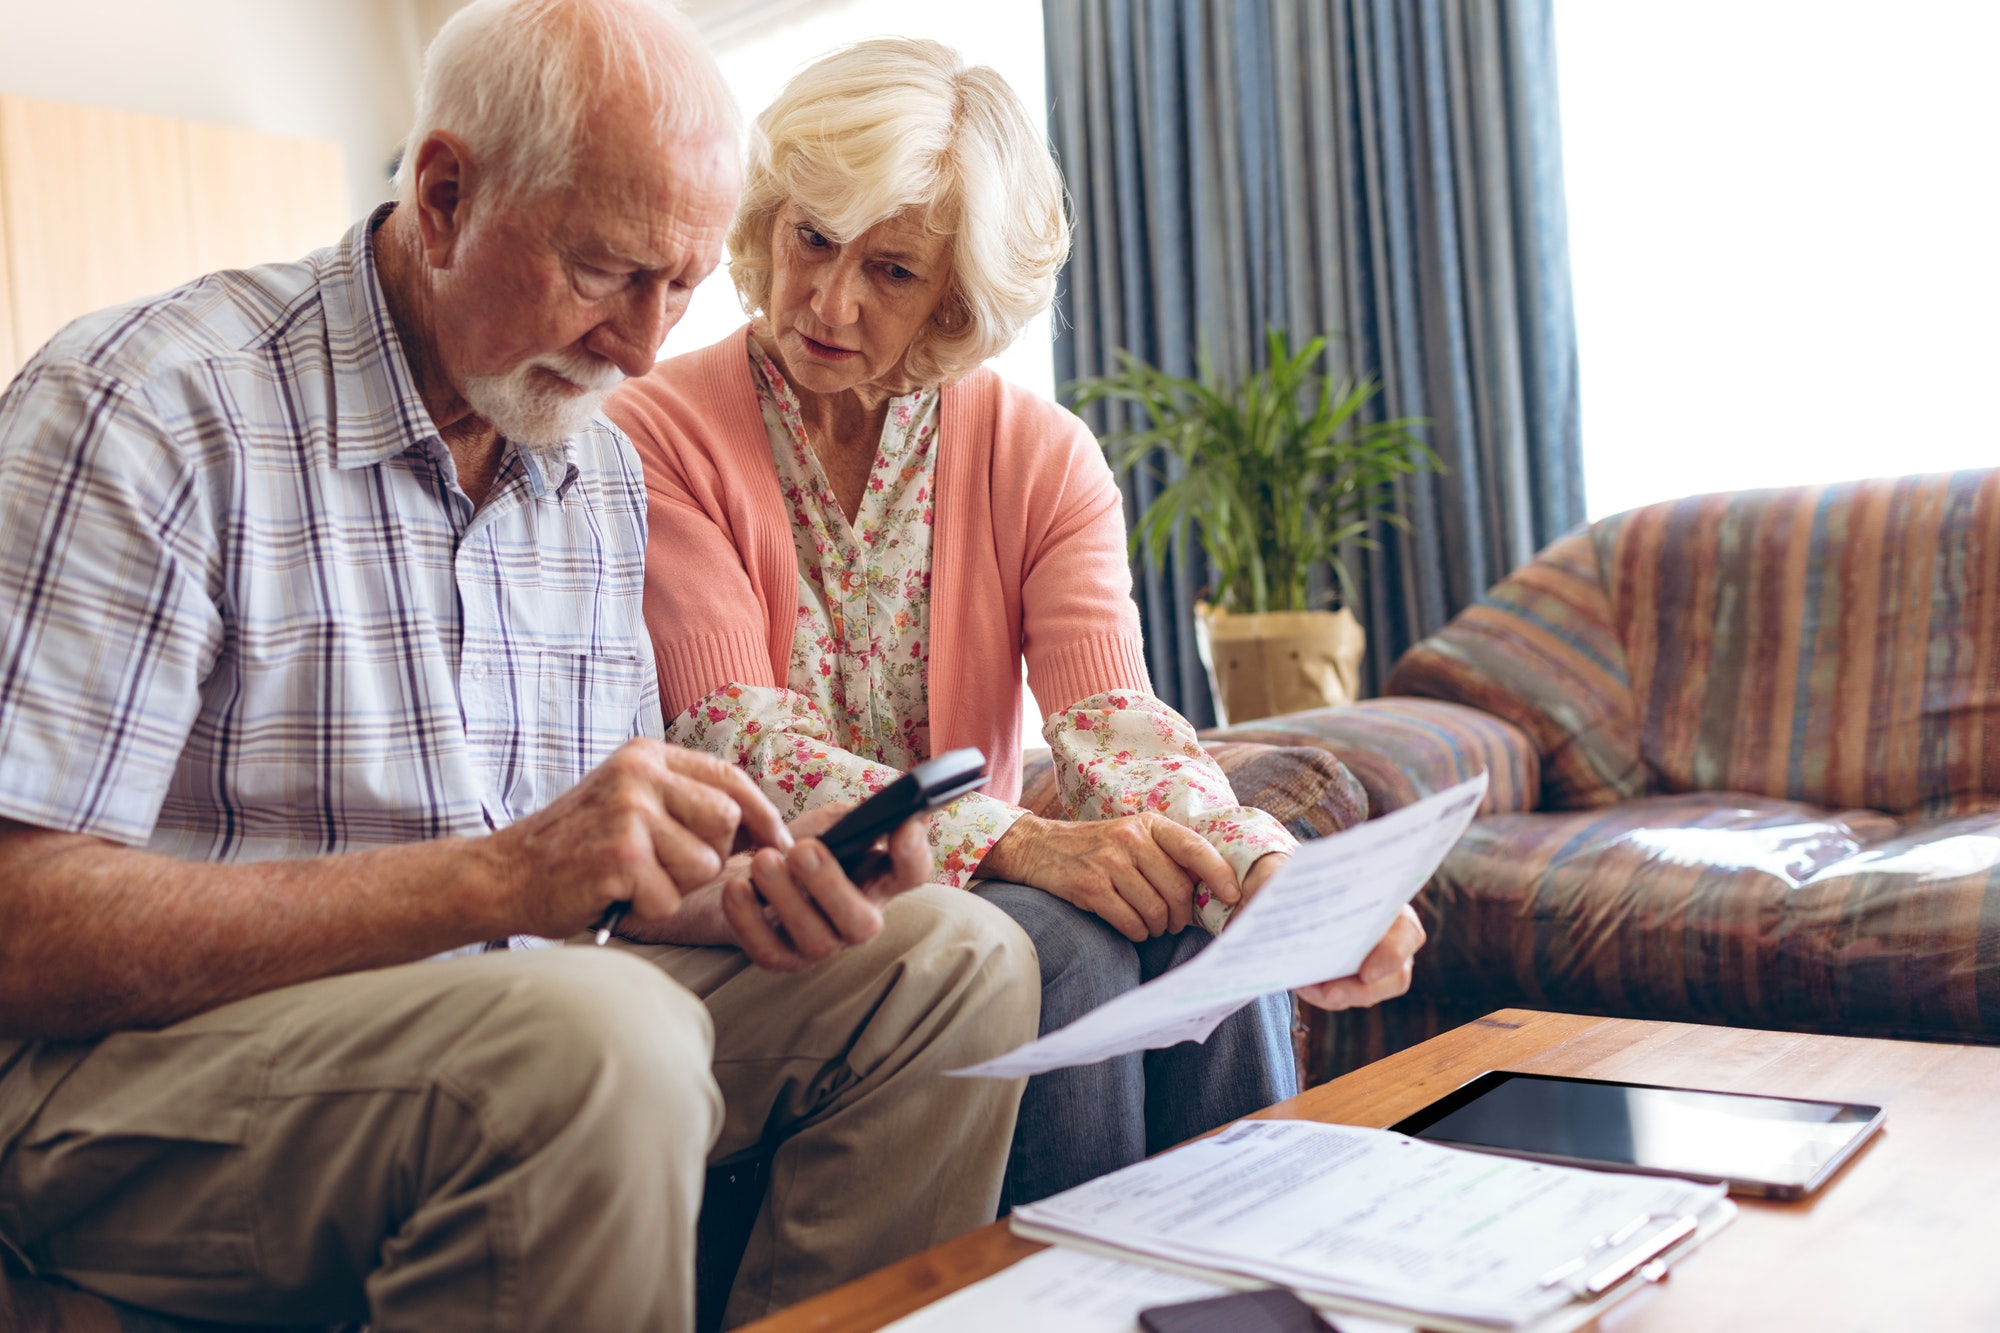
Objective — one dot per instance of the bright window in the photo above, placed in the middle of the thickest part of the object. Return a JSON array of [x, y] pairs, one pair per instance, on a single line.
[[1783, 237]]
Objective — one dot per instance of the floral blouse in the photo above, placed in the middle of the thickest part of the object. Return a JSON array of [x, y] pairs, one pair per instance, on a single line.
[[856, 708]]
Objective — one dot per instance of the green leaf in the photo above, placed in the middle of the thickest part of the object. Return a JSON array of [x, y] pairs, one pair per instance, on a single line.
[[1274, 472]]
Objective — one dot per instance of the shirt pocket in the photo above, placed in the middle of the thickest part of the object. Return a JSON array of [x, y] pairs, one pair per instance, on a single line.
[[589, 707]]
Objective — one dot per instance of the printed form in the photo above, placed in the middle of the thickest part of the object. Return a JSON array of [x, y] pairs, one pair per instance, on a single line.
[[1376, 1217], [1068, 1291], [1316, 920]]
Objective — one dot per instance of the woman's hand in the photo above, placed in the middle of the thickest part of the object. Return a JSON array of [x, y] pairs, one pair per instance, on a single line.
[[1384, 974], [1261, 870], [1138, 872]]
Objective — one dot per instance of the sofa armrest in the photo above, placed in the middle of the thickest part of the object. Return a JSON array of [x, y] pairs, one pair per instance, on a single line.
[[1405, 749], [1304, 786]]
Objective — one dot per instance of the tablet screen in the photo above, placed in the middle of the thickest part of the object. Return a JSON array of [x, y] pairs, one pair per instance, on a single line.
[[1779, 1143]]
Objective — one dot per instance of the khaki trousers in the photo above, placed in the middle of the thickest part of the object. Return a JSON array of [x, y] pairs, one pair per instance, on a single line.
[[517, 1141]]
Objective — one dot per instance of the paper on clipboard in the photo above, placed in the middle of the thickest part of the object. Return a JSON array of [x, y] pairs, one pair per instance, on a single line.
[[1069, 1291], [1371, 1221], [1315, 920]]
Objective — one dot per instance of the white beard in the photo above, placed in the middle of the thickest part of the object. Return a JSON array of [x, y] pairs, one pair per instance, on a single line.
[[540, 414]]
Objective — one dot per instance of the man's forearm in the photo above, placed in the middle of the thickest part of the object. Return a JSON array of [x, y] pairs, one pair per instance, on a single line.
[[99, 937]]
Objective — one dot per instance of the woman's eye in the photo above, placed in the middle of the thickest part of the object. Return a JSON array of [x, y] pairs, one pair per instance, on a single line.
[[813, 239], [899, 273]]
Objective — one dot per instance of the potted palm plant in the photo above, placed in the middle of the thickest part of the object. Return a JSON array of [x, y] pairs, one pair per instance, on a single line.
[[1277, 473]]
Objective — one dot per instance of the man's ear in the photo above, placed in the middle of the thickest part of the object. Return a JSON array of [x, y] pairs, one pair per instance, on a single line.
[[445, 175]]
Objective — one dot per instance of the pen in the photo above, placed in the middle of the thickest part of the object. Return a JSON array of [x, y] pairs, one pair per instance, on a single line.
[[609, 922]]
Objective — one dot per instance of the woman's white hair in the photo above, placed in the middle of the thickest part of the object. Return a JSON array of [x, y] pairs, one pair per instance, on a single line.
[[900, 125], [517, 81]]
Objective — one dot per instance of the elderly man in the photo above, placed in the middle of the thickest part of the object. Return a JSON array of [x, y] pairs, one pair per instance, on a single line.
[[321, 655]]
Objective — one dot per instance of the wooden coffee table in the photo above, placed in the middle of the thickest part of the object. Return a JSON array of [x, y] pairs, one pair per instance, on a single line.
[[1907, 1236]]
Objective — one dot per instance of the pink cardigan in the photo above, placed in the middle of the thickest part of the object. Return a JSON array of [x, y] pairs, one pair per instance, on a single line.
[[1028, 552]]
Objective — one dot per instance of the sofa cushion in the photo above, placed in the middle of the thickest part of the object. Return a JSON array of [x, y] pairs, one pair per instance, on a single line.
[[1831, 644], [1403, 750], [1540, 650], [1722, 907], [1305, 788]]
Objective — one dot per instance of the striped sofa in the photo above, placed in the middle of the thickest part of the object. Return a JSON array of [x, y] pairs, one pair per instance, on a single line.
[[1745, 759]]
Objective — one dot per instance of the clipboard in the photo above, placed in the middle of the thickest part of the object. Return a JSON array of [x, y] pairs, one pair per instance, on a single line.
[[1608, 1273]]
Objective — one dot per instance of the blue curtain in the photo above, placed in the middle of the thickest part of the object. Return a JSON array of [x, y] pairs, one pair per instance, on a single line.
[[1388, 172]]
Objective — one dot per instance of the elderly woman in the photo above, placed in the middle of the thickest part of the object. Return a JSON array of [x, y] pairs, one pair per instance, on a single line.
[[859, 535]]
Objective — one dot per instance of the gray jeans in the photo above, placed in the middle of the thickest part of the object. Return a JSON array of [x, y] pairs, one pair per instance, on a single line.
[[1076, 1124]]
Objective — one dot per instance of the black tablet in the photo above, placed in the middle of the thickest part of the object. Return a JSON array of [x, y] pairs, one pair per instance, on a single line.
[[1771, 1147]]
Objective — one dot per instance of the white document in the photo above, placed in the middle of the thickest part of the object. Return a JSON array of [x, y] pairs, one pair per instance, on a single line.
[[1316, 920], [1068, 1291], [1366, 1215]]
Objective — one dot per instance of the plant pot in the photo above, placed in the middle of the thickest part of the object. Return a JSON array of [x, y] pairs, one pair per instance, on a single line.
[[1261, 665]]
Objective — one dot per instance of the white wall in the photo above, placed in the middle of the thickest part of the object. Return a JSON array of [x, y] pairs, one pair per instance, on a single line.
[[1782, 233], [340, 70]]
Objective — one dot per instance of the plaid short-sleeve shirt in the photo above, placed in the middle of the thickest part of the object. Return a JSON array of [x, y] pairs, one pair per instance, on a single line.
[[246, 611]]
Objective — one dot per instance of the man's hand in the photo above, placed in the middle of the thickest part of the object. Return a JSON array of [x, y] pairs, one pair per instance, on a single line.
[[1137, 872], [100, 938], [646, 826], [793, 909], [1384, 974]]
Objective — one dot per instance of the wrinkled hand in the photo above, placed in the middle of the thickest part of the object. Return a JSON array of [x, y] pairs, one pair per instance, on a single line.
[[645, 827], [1137, 872], [789, 910], [794, 909], [1261, 871], [1384, 974]]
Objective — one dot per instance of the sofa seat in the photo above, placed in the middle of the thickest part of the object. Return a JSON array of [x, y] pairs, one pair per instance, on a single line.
[[1745, 758], [1725, 907]]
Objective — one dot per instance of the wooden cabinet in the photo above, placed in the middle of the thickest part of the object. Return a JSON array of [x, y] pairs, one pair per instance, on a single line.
[[256, 199], [98, 207], [8, 361], [97, 211]]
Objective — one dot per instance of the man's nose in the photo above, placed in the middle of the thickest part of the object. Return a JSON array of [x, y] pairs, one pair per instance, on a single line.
[[837, 296], [630, 339]]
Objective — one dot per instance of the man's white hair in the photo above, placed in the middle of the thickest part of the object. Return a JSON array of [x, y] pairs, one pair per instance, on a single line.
[[516, 81]]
